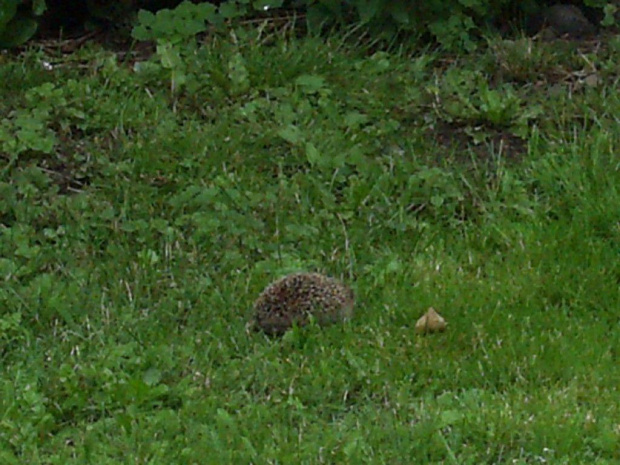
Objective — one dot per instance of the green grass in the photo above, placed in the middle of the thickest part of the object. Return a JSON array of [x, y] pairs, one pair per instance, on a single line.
[[138, 225]]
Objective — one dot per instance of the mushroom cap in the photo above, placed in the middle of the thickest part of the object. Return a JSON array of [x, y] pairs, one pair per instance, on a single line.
[[430, 322]]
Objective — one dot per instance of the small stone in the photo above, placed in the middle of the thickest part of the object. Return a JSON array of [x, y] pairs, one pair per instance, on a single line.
[[568, 20], [592, 80]]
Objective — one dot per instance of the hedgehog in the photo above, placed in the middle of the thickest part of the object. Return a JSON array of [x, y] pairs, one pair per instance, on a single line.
[[292, 299]]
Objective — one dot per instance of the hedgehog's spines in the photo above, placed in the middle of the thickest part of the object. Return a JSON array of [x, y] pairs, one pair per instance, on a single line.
[[293, 298]]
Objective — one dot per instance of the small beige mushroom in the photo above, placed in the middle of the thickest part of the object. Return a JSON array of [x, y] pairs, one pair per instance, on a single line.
[[430, 322]]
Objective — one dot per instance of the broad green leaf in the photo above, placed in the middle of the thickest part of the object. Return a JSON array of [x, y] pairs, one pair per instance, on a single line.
[[151, 377], [354, 119], [39, 7], [169, 56], [437, 200], [400, 12], [449, 417], [291, 134], [369, 9], [238, 74], [312, 154], [17, 31], [310, 83], [8, 9], [231, 9]]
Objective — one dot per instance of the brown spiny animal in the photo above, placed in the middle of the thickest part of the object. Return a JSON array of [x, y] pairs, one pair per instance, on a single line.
[[292, 299]]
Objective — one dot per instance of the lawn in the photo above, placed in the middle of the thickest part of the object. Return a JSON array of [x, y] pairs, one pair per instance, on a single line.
[[146, 202]]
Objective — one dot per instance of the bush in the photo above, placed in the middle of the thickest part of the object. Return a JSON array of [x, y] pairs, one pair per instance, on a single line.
[[17, 22], [455, 24]]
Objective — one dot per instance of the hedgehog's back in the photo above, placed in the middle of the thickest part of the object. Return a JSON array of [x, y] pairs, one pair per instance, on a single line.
[[293, 298]]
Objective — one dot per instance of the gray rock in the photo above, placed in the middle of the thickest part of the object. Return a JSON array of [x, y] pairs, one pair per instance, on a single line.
[[568, 20]]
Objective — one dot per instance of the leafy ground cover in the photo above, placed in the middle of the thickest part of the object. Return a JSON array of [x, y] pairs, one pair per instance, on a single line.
[[145, 203]]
